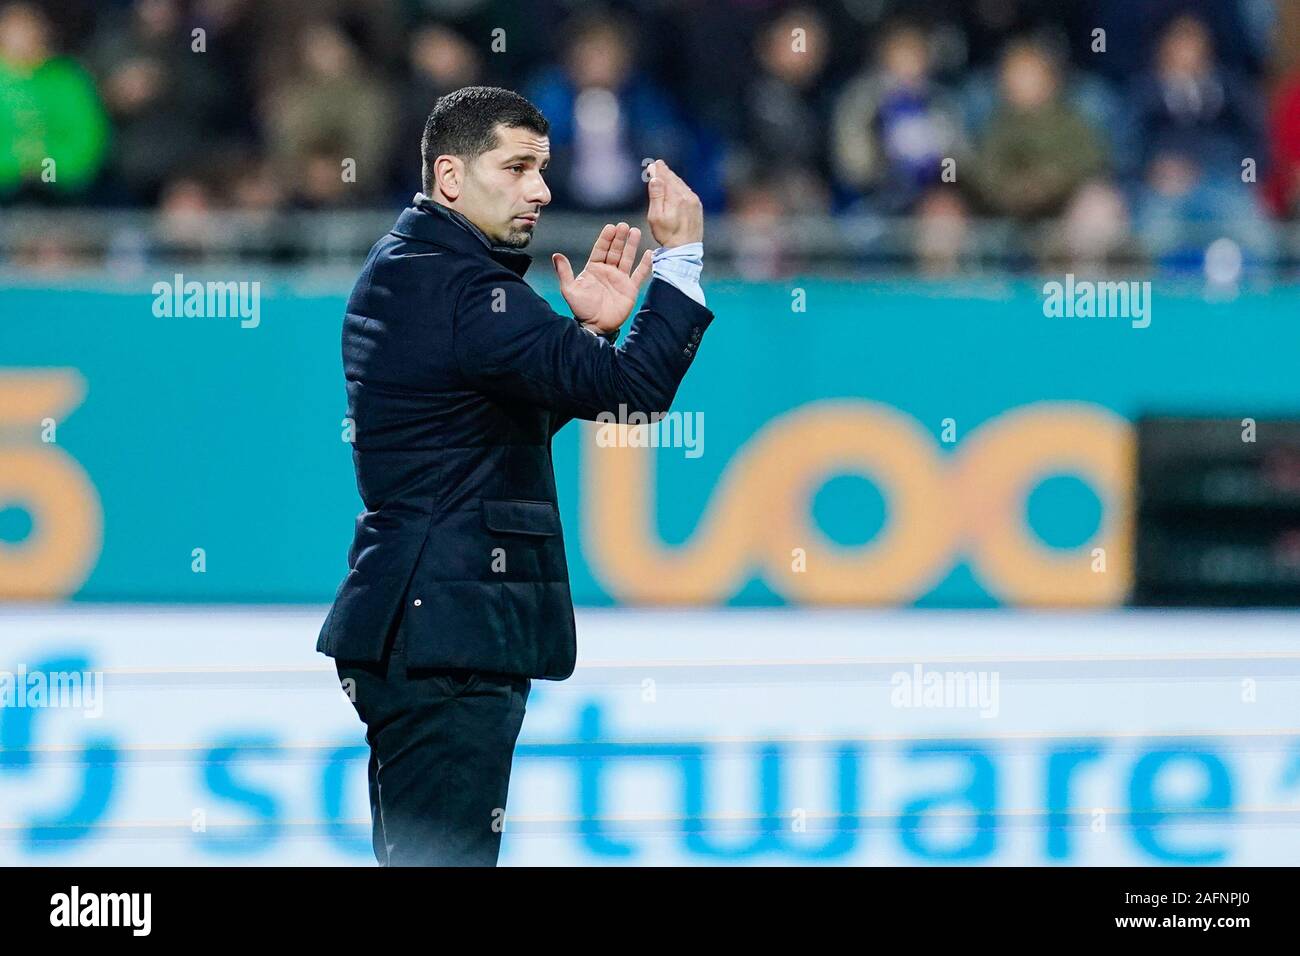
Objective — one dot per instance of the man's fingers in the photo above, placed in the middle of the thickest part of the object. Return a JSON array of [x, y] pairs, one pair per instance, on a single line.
[[672, 178], [562, 269], [658, 189], [616, 246], [643, 270], [600, 250], [628, 259]]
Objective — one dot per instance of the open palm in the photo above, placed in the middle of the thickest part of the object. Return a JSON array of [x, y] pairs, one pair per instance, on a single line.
[[604, 294]]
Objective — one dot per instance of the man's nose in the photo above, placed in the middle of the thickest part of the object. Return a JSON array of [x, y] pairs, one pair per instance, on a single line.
[[539, 192]]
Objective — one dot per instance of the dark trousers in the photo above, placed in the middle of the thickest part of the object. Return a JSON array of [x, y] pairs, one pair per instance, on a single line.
[[441, 745]]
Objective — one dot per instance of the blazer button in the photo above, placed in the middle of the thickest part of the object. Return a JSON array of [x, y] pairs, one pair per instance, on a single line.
[[418, 602], [695, 334]]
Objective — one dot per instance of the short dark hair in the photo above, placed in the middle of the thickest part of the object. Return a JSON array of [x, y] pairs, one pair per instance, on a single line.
[[463, 123]]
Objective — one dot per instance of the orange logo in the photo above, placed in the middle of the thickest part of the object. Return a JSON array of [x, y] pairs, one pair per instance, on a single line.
[[37, 475], [940, 507]]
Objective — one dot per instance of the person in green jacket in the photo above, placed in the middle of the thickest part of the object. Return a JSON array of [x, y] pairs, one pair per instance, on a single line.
[[53, 128], [1038, 150]]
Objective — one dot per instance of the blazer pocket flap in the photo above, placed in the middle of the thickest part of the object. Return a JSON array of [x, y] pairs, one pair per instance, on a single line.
[[521, 517]]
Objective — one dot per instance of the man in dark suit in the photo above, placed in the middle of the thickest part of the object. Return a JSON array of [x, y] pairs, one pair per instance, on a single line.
[[458, 375]]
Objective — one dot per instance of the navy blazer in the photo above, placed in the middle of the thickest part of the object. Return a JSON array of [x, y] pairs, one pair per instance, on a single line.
[[458, 375]]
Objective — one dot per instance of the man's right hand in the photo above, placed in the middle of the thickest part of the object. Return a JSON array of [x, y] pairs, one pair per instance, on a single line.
[[676, 216]]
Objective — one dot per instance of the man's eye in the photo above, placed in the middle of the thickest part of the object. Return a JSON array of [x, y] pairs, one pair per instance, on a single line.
[[516, 168]]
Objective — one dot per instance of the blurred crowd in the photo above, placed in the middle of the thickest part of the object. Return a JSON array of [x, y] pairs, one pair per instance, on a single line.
[[1116, 123]]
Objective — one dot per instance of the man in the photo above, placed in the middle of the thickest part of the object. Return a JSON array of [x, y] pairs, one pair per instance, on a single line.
[[458, 375]]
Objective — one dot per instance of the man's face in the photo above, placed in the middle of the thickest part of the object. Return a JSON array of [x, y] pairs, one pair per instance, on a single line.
[[503, 192]]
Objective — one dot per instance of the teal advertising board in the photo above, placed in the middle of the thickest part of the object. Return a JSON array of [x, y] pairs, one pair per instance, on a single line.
[[927, 443]]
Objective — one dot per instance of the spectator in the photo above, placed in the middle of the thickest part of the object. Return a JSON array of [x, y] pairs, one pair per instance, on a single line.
[[441, 61], [1037, 150], [786, 107], [606, 120], [319, 183], [330, 113], [247, 182], [53, 130], [892, 129], [942, 233], [1283, 189], [1190, 108], [761, 214], [375, 32], [184, 226], [162, 98], [1092, 234], [1198, 126], [227, 27]]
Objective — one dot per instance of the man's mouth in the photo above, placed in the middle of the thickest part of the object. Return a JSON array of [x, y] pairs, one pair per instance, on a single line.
[[530, 218]]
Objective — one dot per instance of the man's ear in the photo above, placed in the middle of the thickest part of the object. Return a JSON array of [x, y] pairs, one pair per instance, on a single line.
[[448, 176]]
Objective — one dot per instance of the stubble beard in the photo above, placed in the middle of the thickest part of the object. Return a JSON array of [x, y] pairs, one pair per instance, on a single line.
[[517, 238]]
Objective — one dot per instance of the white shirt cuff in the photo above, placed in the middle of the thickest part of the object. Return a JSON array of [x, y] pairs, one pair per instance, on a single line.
[[680, 266]]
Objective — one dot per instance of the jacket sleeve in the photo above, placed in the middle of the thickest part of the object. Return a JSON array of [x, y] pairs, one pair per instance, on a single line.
[[508, 341], [558, 419]]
